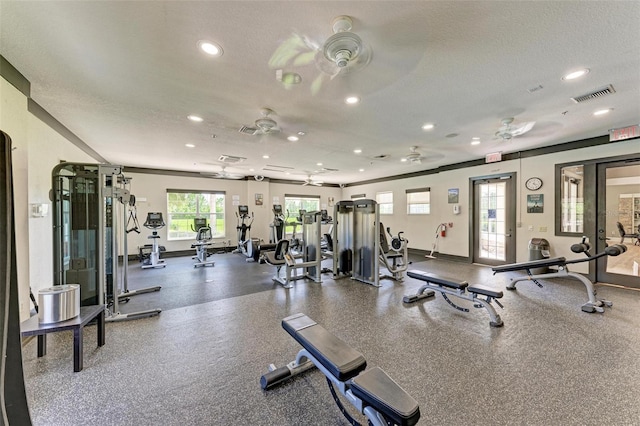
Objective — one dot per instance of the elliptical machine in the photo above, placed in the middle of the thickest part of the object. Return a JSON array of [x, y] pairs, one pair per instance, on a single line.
[[154, 222], [246, 244], [203, 242], [277, 226]]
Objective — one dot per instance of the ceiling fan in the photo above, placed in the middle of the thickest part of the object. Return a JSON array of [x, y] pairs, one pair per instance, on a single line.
[[222, 174], [509, 130], [262, 126], [342, 53], [414, 157], [310, 181]]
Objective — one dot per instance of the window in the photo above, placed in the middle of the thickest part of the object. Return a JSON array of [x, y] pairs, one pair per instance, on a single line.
[[385, 201], [292, 206], [571, 199], [184, 206], [419, 201]]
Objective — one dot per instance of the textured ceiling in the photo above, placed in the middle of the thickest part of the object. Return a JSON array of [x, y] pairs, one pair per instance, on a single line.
[[123, 76]]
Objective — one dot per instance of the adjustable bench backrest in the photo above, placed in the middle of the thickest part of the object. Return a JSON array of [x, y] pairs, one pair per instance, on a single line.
[[340, 359], [556, 261], [276, 257]]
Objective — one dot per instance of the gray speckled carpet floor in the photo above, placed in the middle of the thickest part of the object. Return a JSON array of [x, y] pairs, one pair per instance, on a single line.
[[199, 362]]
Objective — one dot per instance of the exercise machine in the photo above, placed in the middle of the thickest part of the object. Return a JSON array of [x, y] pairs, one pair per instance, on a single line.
[[89, 219], [154, 222], [342, 239], [309, 260], [277, 225], [461, 289], [203, 242], [394, 257], [561, 263], [295, 244], [246, 245], [372, 392]]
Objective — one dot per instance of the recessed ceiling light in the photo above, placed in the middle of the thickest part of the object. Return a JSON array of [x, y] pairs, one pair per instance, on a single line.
[[428, 126], [210, 48], [265, 156], [301, 133], [293, 138], [351, 100], [252, 170], [318, 164], [361, 170], [357, 151], [189, 145], [475, 142], [195, 118], [576, 74], [603, 111], [404, 160]]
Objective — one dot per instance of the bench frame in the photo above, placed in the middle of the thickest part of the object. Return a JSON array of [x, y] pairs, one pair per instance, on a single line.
[[593, 305], [459, 289], [305, 361]]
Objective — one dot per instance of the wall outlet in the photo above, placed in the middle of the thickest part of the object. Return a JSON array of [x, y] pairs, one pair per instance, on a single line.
[[530, 228], [542, 229]]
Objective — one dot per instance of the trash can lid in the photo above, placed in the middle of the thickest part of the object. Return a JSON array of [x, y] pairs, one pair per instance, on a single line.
[[539, 242]]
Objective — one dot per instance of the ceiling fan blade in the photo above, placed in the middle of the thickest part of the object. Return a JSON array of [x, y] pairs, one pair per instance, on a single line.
[[522, 129]]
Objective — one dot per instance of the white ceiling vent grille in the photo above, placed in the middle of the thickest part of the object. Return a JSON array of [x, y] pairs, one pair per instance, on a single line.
[[248, 130], [230, 159], [598, 93]]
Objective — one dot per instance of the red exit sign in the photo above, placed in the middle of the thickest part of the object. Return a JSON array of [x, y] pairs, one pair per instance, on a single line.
[[494, 157], [624, 133]]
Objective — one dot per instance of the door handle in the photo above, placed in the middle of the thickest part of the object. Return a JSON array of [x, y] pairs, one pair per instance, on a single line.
[[507, 235]]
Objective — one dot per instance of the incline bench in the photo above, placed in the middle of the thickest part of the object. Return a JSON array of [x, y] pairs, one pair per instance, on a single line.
[[458, 288], [372, 392], [593, 305]]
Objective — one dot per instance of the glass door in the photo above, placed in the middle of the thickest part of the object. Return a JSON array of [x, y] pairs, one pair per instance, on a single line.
[[494, 220], [618, 221]]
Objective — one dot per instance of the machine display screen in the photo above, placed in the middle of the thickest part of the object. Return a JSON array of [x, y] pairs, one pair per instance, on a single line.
[[243, 209]]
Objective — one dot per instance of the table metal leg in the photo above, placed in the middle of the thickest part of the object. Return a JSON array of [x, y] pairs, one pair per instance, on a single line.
[[100, 326], [42, 345], [77, 349]]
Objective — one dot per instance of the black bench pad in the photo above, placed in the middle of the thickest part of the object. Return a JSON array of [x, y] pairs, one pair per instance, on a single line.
[[484, 290], [393, 255], [430, 278], [378, 390], [340, 359], [531, 264]]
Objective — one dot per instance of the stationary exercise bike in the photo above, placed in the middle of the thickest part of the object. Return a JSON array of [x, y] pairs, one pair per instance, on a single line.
[[154, 222], [394, 257], [246, 244], [203, 242]]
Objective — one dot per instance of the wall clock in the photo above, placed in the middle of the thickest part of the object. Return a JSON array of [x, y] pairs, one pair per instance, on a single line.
[[533, 184]]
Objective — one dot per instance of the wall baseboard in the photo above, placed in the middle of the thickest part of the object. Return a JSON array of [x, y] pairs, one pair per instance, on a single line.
[[441, 256]]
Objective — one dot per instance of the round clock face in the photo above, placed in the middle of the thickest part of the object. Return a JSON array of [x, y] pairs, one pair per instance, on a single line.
[[533, 183]]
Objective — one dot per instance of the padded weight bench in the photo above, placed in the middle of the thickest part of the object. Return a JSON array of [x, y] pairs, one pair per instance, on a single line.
[[461, 289], [372, 392], [593, 305]]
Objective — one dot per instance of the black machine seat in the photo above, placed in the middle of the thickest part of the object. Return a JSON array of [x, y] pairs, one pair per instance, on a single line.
[[555, 261], [276, 257], [442, 281], [340, 359], [375, 388]]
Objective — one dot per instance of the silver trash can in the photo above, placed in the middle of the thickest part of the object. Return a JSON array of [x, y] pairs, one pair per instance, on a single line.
[[58, 303], [538, 250]]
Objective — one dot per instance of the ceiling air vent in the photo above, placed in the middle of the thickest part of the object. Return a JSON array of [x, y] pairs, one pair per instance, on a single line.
[[598, 93], [248, 130], [230, 159]]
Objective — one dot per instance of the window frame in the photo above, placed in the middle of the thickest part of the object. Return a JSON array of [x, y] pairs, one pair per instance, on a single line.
[[383, 206], [216, 218], [409, 193], [292, 215]]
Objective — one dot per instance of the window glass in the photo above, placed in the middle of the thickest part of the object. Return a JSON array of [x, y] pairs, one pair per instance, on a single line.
[[419, 202], [385, 202], [183, 207], [572, 198], [293, 205]]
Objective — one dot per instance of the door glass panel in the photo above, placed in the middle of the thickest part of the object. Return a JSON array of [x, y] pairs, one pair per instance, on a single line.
[[623, 218], [572, 198], [492, 220]]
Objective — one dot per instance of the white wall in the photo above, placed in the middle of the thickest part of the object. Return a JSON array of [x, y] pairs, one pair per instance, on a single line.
[[153, 188], [38, 149], [420, 229]]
